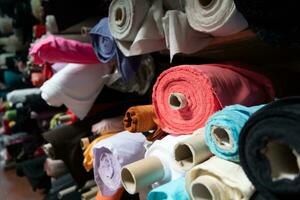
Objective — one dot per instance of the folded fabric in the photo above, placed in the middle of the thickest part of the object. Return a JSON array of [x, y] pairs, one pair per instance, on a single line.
[[180, 37], [218, 179], [88, 152], [269, 149], [170, 191], [76, 86], [223, 129], [54, 49], [142, 119], [137, 26], [111, 154], [184, 97], [273, 21], [219, 18], [106, 50], [55, 168], [110, 125]]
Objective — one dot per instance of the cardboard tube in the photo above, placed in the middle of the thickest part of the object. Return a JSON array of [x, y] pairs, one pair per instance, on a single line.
[[191, 151], [222, 137], [177, 101], [140, 174], [207, 187]]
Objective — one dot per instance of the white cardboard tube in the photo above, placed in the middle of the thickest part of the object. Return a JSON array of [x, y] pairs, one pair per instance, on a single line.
[[191, 151], [177, 101], [138, 175]]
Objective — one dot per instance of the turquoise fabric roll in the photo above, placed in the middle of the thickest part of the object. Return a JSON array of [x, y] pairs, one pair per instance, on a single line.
[[223, 128], [170, 191]]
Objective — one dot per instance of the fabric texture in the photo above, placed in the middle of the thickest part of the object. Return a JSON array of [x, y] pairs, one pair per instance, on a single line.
[[76, 86], [106, 50], [170, 191], [111, 154], [180, 37], [20, 95], [273, 21], [219, 18], [116, 196], [55, 49], [184, 97], [231, 120], [274, 178], [223, 180], [110, 125], [55, 168], [163, 149], [137, 26]]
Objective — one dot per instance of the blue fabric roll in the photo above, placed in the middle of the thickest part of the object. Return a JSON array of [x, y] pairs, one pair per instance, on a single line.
[[231, 119], [170, 191], [106, 50]]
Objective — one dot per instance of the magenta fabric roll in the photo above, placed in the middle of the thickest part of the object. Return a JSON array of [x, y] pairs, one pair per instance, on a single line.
[[184, 97], [54, 49]]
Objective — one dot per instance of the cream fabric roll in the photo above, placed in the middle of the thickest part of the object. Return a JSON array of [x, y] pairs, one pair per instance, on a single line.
[[77, 86], [146, 36], [217, 17], [163, 149], [218, 179], [180, 37]]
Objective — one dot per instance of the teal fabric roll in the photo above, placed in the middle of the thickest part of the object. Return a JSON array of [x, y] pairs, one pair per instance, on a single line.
[[170, 191], [223, 128]]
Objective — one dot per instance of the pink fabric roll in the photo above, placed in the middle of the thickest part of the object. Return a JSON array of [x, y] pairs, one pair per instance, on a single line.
[[54, 49], [185, 96]]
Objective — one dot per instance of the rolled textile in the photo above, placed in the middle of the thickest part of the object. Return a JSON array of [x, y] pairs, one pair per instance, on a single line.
[[56, 67], [184, 97], [106, 50], [158, 167], [192, 151], [88, 152], [111, 154], [137, 26], [273, 21], [218, 179], [116, 196], [54, 49], [170, 191], [216, 17], [223, 129], [55, 168], [76, 86], [110, 125], [180, 37], [269, 149]]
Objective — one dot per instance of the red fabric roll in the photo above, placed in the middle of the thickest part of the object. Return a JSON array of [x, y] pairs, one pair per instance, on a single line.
[[184, 97], [55, 49]]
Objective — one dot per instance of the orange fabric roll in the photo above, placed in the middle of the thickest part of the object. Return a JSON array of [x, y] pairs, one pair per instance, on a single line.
[[116, 196]]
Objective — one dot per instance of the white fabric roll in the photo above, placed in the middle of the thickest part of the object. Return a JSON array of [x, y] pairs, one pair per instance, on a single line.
[[180, 37], [77, 86], [110, 125], [17, 96], [163, 149], [139, 32], [223, 179], [217, 17]]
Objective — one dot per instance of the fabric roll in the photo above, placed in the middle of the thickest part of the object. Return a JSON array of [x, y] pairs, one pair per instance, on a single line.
[[218, 179], [56, 67], [116, 196], [273, 21], [184, 97], [142, 119], [76, 86], [54, 49], [110, 125], [106, 50], [269, 149], [17, 96], [88, 152], [137, 26], [6, 25], [223, 129], [170, 191], [180, 37], [216, 17], [55, 168], [163, 149], [111, 154]]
